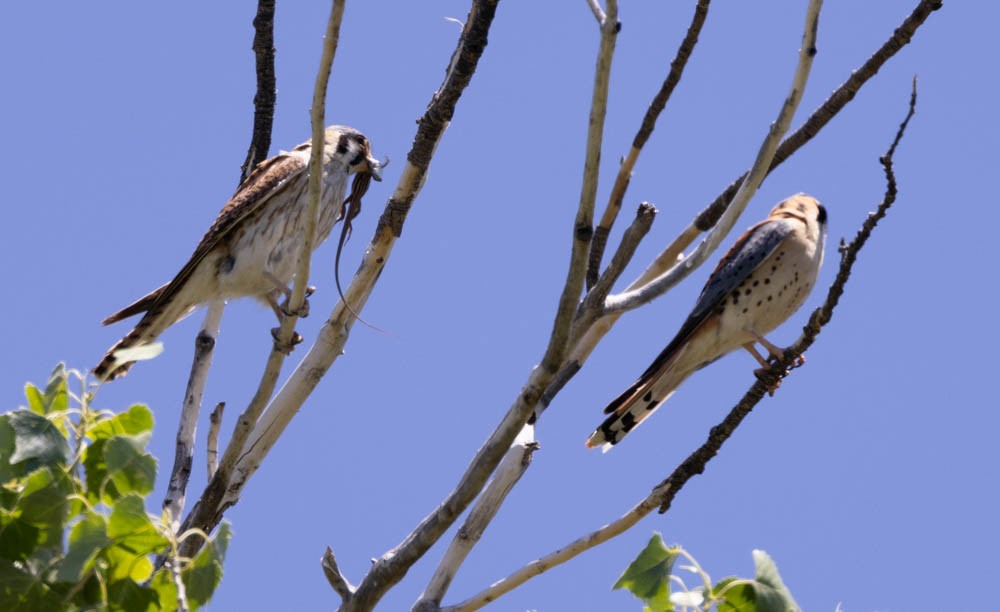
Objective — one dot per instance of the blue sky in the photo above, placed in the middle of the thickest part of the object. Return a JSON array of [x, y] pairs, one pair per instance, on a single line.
[[870, 477]]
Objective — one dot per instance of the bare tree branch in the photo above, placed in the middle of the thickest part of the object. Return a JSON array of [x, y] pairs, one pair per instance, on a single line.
[[663, 494], [334, 577], [680, 271], [212, 444], [592, 306], [645, 130], [595, 7], [204, 348], [515, 463], [267, 88], [208, 511]]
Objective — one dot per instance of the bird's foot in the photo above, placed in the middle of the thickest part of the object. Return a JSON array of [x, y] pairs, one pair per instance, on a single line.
[[761, 374], [303, 311], [285, 348]]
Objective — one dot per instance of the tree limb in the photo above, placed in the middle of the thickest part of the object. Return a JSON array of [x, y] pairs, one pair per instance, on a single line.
[[267, 88], [515, 463], [204, 348]]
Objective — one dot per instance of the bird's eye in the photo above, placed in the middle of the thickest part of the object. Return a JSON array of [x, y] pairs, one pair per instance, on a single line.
[[821, 215]]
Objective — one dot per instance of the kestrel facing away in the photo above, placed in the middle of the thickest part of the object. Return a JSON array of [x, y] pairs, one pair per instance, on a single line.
[[252, 247], [763, 279]]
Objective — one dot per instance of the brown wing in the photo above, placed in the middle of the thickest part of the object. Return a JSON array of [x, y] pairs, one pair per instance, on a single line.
[[269, 178]]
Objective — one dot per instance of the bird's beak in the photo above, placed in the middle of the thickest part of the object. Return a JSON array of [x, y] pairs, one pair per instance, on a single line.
[[375, 167]]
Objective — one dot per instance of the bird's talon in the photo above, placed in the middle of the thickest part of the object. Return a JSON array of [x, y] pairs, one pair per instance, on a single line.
[[285, 347], [311, 289], [301, 313]]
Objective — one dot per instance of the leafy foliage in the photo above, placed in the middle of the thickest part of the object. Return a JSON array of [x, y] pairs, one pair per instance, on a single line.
[[70, 541], [650, 577]]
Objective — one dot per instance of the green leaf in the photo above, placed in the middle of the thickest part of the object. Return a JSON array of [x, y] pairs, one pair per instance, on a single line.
[[125, 564], [127, 595], [137, 420], [44, 503], [203, 574], [117, 466], [735, 598], [772, 594], [648, 577], [37, 440], [87, 539], [135, 537], [56, 398], [8, 471], [23, 591], [36, 401], [130, 526], [18, 537], [166, 590], [131, 469]]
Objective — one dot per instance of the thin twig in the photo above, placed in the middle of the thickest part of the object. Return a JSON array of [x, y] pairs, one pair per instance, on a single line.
[[204, 348], [334, 577], [208, 511], [267, 88], [643, 295], [583, 225], [663, 494], [595, 7], [590, 309], [656, 107], [178, 578], [212, 450]]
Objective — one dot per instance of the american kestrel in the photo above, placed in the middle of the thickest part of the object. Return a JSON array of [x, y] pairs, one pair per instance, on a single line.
[[252, 247], [763, 279]]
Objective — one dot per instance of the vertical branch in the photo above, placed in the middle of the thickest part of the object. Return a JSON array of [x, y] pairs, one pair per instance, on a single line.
[[204, 346], [656, 107], [267, 89], [212, 440], [208, 512], [583, 229]]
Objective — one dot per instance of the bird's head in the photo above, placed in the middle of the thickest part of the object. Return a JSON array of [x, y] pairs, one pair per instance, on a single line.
[[806, 209], [351, 148]]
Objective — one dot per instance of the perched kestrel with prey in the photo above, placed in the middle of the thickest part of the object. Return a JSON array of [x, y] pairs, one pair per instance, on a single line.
[[763, 279], [252, 247]]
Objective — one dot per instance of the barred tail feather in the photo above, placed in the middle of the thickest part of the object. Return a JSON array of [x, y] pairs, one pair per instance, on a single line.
[[141, 305], [146, 331], [640, 400]]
